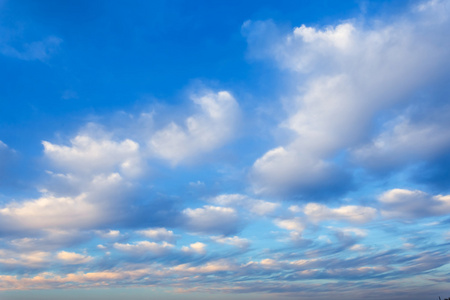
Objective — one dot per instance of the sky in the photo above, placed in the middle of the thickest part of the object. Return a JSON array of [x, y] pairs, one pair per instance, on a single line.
[[224, 149]]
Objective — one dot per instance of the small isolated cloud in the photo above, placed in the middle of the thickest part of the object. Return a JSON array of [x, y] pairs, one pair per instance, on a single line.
[[211, 128], [211, 219], [256, 206], [234, 241], [145, 248], [73, 258], [159, 234], [413, 204], [295, 224], [195, 248], [350, 213]]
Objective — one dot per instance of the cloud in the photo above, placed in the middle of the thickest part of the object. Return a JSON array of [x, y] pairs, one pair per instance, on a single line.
[[296, 224], [195, 248], [73, 258], [7, 157], [399, 143], [344, 81], [350, 213], [101, 201], [234, 241], [212, 219], [49, 212], [211, 128], [144, 248], [159, 234], [25, 259], [413, 204], [87, 155], [256, 206]]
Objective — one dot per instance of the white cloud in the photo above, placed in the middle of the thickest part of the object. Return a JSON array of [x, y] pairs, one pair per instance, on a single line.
[[211, 219], [350, 213], [100, 202], [145, 248], [201, 133], [50, 212], [256, 206], [295, 224], [407, 141], [402, 203], [73, 258], [28, 259], [88, 155], [195, 248], [344, 78], [159, 234], [234, 241]]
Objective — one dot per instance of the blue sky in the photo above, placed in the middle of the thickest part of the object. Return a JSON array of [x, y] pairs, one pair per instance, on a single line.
[[206, 149]]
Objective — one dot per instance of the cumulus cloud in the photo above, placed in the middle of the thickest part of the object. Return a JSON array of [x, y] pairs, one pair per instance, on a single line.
[[412, 204], [345, 78], [212, 219], [350, 213], [88, 155], [98, 204], [211, 128]]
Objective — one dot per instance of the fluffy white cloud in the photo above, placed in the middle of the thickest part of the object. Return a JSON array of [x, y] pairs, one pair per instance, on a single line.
[[100, 203], [89, 155], [256, 206], [350, 213], [73, 258], [401, 203], [212, 127], [211, 219], [50, 212], [345, 77]]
